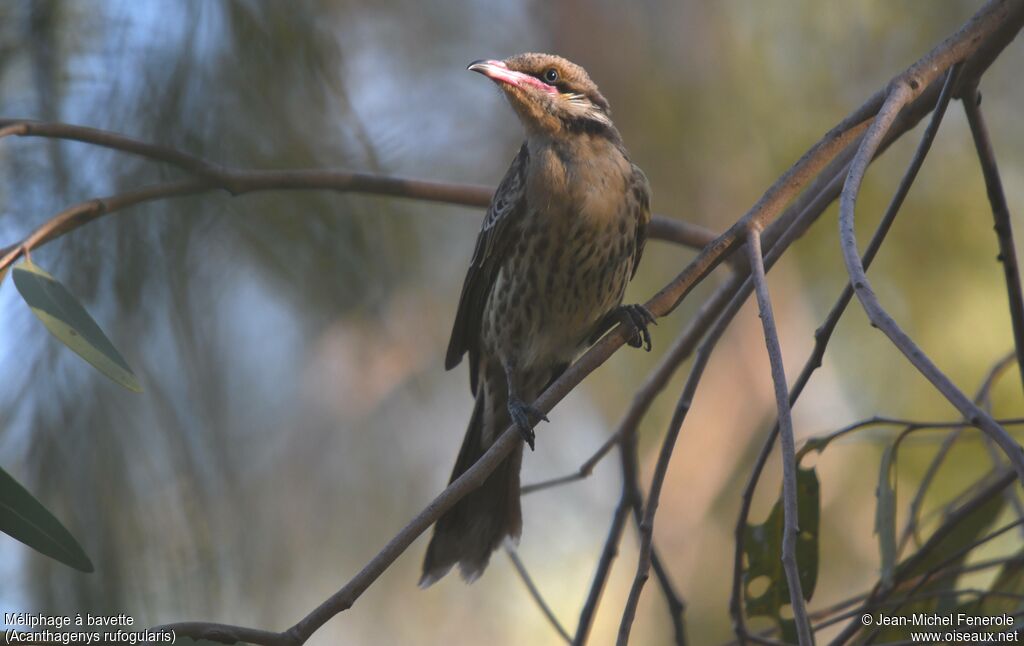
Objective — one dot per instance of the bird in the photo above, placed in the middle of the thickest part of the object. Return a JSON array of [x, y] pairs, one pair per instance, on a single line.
[[562, 237]]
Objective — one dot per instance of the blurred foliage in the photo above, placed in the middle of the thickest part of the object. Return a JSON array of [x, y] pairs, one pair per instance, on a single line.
[[295, 411]]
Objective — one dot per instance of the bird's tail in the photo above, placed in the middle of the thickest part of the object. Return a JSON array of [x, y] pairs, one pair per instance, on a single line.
[[478, 523]]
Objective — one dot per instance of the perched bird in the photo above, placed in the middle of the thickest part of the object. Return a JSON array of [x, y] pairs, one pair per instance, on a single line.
[[561, 239]]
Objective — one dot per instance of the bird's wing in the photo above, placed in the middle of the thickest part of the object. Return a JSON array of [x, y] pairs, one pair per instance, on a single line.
[[640, 202], [496, 234]]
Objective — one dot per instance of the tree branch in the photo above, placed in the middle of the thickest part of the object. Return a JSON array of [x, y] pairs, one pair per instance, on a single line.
[[914, 510], [902, 91], [791, 526], [822, 336], [549, 614], [604, 566], [211, 177], [1001, 215]]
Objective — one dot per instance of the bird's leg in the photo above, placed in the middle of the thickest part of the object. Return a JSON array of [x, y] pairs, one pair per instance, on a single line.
[[524, 415], [637, 318]]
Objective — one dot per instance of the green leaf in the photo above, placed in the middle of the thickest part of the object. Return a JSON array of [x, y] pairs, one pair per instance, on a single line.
[[763, 549], [885, 516], [967, 530], [67, 320], [24, 518]]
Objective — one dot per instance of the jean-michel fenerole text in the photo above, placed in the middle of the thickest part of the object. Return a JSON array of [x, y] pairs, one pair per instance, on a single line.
[[956, 620]]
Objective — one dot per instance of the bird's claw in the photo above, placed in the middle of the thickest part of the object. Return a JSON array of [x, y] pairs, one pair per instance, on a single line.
[[521, 413], [638, 318]]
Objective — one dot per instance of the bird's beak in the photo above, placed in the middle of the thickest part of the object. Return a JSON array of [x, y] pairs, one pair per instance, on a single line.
[[499, 72]]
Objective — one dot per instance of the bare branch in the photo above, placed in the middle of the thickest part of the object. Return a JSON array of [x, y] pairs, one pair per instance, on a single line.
[[822, 336], [630, 462], [535, 593], [241, 181], [791, 525], [604, 566], [902, 92], [225, 633], [916, 503], [797, 223], [1001, 215]]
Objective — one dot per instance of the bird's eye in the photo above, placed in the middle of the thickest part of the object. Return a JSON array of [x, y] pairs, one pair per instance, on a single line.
[[551, 76]]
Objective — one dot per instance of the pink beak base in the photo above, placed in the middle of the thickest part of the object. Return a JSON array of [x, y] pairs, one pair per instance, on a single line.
[[499, 72]]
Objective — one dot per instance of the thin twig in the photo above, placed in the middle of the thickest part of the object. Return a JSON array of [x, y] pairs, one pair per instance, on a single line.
[[920, 581], [224, 633], [535, 593], [826, 617], [1001, 215], [654, 493], [631, 486], [604, 566], [791, 526]]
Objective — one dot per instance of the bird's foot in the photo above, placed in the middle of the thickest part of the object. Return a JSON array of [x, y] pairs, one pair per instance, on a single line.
[[525, 417], [637, 317]]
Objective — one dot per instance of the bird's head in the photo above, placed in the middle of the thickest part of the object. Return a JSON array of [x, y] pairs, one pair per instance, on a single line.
[[551, 95]]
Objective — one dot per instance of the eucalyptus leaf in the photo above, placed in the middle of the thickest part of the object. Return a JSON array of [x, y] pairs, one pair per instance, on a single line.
[[763, 549], [885, 516], [24, 518], [67, 320], [947, 551]]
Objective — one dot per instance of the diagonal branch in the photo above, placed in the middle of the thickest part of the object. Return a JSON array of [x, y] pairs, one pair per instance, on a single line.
[[538, 598], [823, 335], [916, 503], [604, 566], [1001, 215], [902, 91]]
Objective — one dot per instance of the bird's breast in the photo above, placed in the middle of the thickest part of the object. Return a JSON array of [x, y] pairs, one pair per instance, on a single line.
[[570, 264], [581, 177]]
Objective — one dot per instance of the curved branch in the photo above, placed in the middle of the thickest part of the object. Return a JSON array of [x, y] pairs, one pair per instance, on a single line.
[[240, 181], [902, 92]]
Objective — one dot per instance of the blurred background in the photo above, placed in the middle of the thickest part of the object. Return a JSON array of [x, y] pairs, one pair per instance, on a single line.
[[296, 411]]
